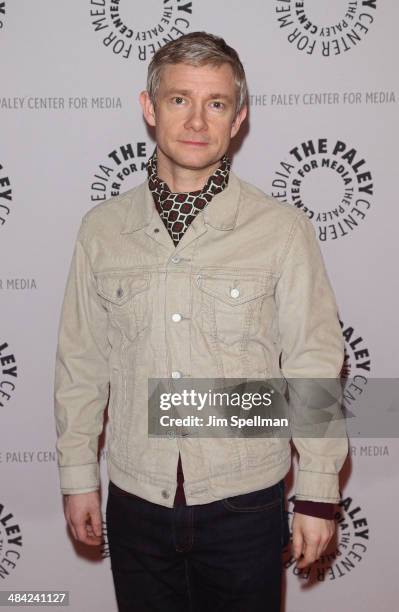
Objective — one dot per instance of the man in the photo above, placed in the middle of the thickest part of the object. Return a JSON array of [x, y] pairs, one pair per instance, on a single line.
[[194, 274]]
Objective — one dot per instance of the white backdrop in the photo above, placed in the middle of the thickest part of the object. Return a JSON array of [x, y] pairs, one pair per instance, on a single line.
[[324, 102]]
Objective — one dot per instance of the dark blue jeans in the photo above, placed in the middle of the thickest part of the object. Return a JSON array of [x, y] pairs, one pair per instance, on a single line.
[[221, 556]]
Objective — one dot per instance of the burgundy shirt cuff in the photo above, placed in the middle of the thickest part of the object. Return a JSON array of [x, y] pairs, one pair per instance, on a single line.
[[318, 509]]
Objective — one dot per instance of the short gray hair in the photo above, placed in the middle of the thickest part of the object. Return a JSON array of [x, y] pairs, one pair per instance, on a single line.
[[198, 49]]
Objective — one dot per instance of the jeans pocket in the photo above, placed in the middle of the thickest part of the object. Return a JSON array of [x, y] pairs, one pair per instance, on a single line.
[[264, 499]]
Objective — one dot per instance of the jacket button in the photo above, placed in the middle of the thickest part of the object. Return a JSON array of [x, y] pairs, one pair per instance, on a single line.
[[156, 230], [165, 494], [175, 259], [176, 374], [234, 293], [176, 317]]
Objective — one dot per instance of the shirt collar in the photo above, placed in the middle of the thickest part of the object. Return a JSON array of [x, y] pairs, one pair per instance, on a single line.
[[221, 213]]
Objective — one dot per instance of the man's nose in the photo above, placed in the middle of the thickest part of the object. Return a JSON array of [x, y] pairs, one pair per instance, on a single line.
[[196, 119]]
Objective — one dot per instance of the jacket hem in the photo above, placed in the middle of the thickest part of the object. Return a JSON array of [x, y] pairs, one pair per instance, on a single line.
[[208, 490]]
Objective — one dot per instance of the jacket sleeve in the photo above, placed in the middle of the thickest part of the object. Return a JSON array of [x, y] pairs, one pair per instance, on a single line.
[[81, 376], [312, 347]]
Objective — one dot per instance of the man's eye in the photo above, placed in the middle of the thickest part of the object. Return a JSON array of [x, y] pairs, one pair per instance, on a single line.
[[218, 105], [178, 100]]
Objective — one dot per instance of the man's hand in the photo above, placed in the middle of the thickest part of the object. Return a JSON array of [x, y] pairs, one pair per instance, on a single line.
[[310, 536], [83, 515]]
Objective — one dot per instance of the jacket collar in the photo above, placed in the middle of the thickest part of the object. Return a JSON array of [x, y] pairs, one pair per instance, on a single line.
[[221, 213]]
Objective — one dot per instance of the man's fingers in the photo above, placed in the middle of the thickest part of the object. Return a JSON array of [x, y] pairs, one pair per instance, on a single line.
[[309, 552], [310, 536], [324, 543], [81, 531], [96, 522], [85, 532], [78, 525], [83, 514], [72, 528], [297, 541], [69, 521]]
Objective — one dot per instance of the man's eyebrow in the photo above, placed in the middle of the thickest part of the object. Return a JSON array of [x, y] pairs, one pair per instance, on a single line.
[[188, 92], [180, 92], [220, 96]]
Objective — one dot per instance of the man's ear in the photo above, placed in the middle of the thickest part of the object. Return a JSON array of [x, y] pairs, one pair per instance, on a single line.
[[238, 121], [148, 108]]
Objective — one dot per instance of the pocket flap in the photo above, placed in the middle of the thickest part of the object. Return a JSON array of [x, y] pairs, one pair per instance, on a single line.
[[119, 288], [235, 289]]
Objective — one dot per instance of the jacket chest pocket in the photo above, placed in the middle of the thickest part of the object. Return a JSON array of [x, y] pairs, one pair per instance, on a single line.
[[125, 297], [231, 303]]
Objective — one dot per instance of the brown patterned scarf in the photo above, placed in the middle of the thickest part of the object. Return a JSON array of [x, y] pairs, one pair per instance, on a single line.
[[178, 210]]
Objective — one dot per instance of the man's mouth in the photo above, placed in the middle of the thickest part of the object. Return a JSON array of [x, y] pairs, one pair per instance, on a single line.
[[194, 143]]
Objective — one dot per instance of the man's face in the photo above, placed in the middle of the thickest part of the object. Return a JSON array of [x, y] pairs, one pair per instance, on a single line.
[[195, 114]]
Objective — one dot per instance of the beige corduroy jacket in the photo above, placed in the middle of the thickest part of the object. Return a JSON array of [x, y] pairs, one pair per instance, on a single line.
[[253, 299]]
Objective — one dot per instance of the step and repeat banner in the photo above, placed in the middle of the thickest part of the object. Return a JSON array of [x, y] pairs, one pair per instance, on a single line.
[[322, 134]]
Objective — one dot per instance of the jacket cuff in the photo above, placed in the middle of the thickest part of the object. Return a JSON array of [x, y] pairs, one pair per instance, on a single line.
[[317, 486], [79, 478], [318, 509]]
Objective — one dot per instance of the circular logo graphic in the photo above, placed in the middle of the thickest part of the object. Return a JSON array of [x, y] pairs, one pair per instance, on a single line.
[[138, 32], [325, 28], [2, 13], [5, 195], [330, 181], [346, 549], [8, 374], [355, 372], [123, 169], [104, 548], [357, 355], [10, 542]]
